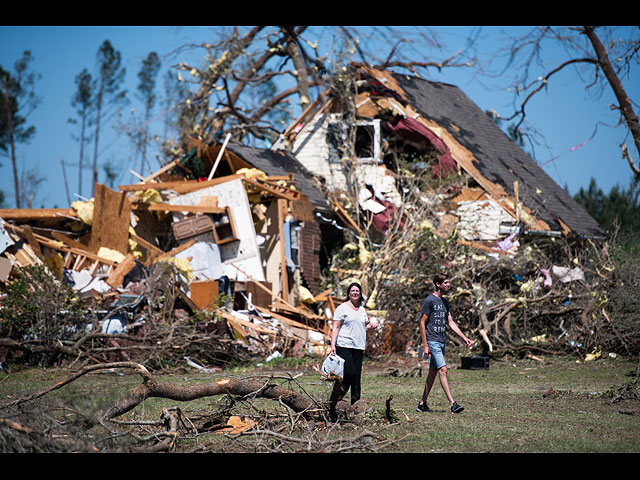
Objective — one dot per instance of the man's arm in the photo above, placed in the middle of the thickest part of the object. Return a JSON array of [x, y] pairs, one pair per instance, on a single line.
[[454, 326], [423, 331]]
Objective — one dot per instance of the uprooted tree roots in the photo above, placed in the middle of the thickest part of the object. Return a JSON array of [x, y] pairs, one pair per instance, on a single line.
[[303, 424]]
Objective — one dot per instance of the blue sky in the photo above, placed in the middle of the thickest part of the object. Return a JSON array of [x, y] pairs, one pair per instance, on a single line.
[[565, 114]]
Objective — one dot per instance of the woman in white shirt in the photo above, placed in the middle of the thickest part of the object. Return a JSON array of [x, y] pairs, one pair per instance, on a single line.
[[348, 338]]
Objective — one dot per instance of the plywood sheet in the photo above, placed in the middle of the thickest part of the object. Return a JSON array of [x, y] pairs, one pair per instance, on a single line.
[[111, 220]]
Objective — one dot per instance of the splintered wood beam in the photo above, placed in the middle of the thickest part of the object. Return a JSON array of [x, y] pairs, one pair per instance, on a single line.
[[261, 286], [175, 251], [35, 213], [273, 188], [148, 246], [32, 241], [124, 267], [288, 321], [69, 241], [246, 324], [482, 247], [184, 186], [166, 207], [324, 296], [346, 217], [167, 167]]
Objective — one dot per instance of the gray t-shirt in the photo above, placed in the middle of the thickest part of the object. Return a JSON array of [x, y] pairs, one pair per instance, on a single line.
[[437, 310], [353, 330]]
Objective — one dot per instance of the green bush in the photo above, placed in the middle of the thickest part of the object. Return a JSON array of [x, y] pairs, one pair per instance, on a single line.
[[40, 311]]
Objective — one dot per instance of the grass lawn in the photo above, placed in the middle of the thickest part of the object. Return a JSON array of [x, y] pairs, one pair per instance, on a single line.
[[507, 409]]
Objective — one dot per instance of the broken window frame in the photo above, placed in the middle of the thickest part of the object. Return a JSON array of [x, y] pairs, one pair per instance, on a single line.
[[221, 220], [376, 141], [337, 128]]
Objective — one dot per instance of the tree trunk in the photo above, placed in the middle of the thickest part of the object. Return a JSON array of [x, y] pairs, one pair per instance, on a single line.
[[13, 148], [623, 99], [81, 160], [231, 386], [95, 150], [151, 388]]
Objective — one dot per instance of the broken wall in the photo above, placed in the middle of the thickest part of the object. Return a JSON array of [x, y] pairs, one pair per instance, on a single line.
[[313, 150], [245, 252]]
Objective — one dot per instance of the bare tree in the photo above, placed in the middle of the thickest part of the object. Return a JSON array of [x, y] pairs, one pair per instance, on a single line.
[[297, 61], [586, 46], [18, 100], [626, 109], [108, 92], [82, 101]]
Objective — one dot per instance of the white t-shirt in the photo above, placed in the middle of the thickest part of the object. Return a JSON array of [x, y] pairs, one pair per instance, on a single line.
[[353, 330]]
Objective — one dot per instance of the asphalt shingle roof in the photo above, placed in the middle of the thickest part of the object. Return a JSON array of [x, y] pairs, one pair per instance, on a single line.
[[499, 159], [281, 162]]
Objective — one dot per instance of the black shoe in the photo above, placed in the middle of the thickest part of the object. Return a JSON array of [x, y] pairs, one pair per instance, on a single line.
[[455, 408], [423, 407]]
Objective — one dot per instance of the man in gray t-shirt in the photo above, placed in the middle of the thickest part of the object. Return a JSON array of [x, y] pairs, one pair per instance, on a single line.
[[437, 311], [435, 317]]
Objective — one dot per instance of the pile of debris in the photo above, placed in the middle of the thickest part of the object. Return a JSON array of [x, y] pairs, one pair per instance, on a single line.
[[429, 183], [155, 255], [239, 251]]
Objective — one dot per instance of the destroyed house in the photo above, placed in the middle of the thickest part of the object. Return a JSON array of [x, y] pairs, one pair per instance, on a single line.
[[230, 218], [301, 229], [509, 192]]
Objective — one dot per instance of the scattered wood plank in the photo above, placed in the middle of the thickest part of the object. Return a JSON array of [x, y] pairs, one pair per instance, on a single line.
[[483, 247], [175, 251], [286, 320], [70, 241], [159, 172], [117, 276], [166, 207], [240, 322], [80, 253], [25, 214], [151, 249], [260, 285], [184, 186], [33, 243]]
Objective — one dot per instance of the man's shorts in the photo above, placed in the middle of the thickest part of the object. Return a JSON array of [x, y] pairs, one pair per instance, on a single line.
[[436, 351]]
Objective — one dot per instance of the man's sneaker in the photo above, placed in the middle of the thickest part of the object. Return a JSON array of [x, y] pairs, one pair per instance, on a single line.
[[423, 407], [455, 408]]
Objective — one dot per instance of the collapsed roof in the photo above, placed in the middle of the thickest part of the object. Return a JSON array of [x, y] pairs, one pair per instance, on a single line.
[[279, 163], [466, 138], [495, 161]]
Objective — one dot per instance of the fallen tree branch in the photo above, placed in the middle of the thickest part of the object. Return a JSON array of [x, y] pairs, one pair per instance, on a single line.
[[151, 388]]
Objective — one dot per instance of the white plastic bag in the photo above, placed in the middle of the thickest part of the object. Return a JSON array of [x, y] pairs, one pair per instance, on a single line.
[[333, 364]]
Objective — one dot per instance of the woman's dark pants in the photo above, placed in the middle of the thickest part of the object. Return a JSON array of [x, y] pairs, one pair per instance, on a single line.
[[352, 371]]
